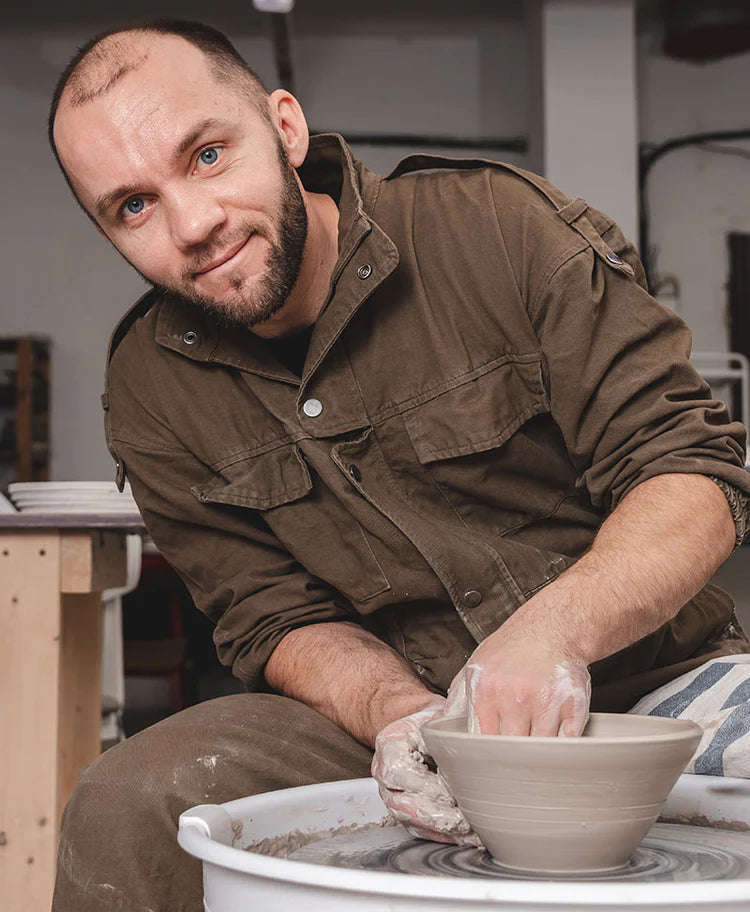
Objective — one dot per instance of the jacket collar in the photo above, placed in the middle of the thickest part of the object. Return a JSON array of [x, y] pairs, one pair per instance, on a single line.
[[366, 257]]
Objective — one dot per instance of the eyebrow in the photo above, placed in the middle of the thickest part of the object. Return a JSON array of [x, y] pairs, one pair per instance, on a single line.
[[209, 123], [106, 200]]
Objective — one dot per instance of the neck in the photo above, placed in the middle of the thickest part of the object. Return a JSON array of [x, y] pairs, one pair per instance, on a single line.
[[313, 285]]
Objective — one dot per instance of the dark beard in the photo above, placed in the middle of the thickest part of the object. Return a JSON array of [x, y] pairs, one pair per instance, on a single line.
[[283, 263]]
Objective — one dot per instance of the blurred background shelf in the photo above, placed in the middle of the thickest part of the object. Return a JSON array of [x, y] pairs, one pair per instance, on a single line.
[[24, 409]]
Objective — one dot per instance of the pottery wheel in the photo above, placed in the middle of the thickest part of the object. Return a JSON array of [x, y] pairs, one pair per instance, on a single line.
[[670, 852]]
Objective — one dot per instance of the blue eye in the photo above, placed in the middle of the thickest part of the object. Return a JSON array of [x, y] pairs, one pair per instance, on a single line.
[[209, 156], [135, 206]]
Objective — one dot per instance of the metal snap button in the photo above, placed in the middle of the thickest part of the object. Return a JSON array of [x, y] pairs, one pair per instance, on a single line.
[[364, 271], [355, 473], [472, 598], [312, 407], [190, 337], [614, 259]]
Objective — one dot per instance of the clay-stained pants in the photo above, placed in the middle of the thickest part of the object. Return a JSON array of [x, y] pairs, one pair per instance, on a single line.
[[118, 848]]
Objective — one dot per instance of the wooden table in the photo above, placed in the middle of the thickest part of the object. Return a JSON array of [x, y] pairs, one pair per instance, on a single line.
[[52, 572]]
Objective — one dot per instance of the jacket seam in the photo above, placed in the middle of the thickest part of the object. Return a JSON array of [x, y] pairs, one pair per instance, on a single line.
[[554, 269], [414, 240], [146, 444], [507, 431], [271, 446], [445, 386], [502, 241], [243, 500]]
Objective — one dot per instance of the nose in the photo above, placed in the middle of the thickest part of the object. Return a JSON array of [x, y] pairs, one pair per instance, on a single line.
[[194, 216]]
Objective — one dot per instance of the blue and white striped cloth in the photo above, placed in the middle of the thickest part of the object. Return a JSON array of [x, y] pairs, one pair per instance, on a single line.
[[716, 696]]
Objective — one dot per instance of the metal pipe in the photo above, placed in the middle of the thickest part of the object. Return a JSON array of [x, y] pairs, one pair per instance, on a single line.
[[516, 144]]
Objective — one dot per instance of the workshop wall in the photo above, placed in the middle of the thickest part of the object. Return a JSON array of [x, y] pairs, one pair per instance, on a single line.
[[695, 196]]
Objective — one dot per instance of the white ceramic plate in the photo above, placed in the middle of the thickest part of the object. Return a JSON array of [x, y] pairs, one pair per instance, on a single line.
[[26, 486], [93, 508]]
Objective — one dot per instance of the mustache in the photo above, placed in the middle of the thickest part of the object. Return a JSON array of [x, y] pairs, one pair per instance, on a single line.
[[205, 254]]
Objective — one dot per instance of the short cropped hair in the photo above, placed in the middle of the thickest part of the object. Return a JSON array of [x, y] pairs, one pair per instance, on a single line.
[[225, 59]]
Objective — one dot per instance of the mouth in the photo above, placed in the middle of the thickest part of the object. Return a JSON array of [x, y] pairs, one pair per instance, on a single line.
[[225, 259]]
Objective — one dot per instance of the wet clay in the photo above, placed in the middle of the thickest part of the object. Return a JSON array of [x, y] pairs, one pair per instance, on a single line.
[[669, 853], [284, 845], [699, 820], [564, 805]]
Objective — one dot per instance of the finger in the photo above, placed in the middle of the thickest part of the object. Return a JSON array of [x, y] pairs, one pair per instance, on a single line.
[[484, 706], [572, 726], [546, 724], [574, 714], [428, 814], [414, 779], [515, 722], [485, 719], [469, 839]]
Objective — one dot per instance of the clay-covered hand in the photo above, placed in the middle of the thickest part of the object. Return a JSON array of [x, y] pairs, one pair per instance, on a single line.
[[521, 688], [415, 794]]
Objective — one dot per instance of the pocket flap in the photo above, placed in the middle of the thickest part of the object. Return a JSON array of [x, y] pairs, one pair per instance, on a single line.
[[260, 482], [479, 414]]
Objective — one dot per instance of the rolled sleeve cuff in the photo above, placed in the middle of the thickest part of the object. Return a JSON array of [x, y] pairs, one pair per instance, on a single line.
[[739, 505]]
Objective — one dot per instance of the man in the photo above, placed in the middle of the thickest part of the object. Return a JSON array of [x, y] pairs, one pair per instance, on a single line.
[[390, 432]]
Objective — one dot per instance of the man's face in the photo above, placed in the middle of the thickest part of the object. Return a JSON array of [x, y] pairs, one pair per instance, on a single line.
[[190, 183]]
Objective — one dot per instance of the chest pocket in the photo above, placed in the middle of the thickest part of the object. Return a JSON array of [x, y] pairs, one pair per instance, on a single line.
[[492, 448], [480, 414], [302, 516], [261, 482]]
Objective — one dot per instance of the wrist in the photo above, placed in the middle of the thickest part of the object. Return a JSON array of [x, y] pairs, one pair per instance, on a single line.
[[552, 617], [388, 708]]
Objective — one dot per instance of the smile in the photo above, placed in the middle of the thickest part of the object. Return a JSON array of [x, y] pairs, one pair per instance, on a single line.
[[225, 259]]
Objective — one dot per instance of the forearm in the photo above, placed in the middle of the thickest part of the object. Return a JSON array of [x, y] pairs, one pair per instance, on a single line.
[[348, 675], [652, 554]]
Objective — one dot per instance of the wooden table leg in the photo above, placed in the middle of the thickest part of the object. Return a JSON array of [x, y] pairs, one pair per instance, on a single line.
[[30, 628], [50, 693], [80, 689]]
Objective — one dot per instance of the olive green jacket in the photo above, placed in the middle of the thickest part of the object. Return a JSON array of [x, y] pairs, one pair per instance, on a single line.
[[487, 380]]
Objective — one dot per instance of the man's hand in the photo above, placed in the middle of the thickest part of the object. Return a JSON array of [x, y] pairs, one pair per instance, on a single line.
[[511, 685], [518, 686], [416, 795]]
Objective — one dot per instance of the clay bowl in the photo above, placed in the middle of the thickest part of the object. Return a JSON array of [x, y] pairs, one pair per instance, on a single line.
[[564, 805]]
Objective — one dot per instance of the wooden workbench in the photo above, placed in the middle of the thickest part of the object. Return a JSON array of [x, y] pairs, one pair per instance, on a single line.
[[52, 572]]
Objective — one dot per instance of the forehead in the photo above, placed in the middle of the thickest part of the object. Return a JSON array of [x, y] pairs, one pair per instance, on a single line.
[[134, 101]]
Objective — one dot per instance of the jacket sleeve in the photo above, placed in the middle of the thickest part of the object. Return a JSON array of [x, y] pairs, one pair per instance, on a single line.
[[621, 387], [237, 571]]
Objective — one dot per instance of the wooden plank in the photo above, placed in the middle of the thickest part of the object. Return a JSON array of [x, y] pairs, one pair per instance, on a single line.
[[30, 630], [92, 561], [131, 522], [80, 689]]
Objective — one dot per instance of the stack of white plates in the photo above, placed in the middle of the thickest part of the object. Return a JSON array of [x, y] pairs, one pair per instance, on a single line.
[[100, 497]]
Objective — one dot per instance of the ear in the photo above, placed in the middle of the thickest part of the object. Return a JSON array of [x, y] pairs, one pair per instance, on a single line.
[[289, 119]]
